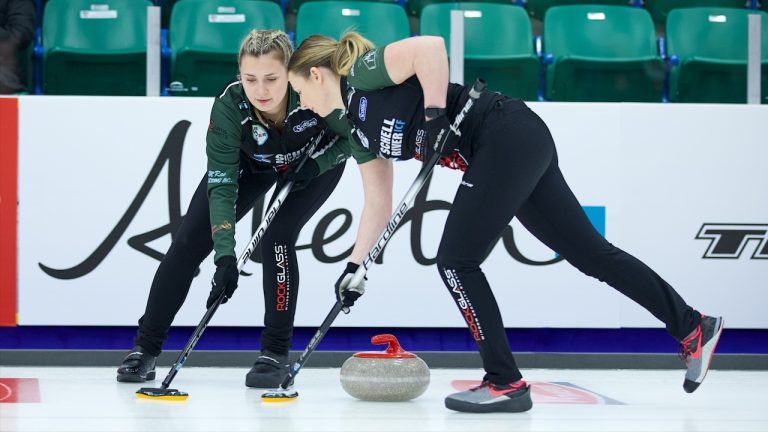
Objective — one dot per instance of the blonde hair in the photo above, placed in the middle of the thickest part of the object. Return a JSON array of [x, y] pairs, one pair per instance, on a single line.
[[322, 51], [263, 42]]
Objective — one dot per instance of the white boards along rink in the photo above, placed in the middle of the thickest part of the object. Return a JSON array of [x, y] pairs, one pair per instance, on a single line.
[[682, 187]]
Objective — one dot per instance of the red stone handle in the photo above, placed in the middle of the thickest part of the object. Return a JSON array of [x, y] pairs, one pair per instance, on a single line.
[[394, 345]]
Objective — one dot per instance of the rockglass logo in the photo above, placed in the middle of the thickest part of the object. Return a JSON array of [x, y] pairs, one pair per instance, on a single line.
[[466, 307], [729, 241], [282, 279]]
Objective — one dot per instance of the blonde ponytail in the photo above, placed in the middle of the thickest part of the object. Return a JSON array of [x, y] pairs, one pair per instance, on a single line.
[[323, 51]]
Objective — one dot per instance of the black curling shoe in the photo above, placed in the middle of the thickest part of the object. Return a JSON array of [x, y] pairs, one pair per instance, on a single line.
[[137, 367], [268, 371]]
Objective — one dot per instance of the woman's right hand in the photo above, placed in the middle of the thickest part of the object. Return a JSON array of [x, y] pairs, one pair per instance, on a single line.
[[345, 293], [440, 139]]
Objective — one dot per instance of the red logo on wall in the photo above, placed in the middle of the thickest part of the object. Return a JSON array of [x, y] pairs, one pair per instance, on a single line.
[[19, 390], [9, 143]]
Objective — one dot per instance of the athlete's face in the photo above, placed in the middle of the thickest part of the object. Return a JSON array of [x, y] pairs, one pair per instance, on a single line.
[[265, 81], [316, 90]]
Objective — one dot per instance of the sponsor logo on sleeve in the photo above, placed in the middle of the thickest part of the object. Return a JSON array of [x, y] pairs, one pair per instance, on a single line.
[[216, 129], [304, 125], [218, 177], [362, 110]]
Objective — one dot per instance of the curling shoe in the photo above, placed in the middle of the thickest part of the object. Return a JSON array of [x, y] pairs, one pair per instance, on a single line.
[[138, 366], [489, 397], [268, 371], [697, 351]]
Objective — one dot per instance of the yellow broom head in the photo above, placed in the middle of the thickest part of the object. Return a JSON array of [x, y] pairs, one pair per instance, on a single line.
[[161, 394], [280, 395]]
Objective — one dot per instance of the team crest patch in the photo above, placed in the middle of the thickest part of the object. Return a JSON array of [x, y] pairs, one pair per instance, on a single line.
[[259, 134], [370, 60]]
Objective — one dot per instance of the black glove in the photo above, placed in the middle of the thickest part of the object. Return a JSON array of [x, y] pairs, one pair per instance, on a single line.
[[437, 129], [345, 293], [302, 177], [225, 279]]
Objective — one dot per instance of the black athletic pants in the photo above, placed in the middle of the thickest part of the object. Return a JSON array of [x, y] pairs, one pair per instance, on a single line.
[[514, 173], [192, 243]]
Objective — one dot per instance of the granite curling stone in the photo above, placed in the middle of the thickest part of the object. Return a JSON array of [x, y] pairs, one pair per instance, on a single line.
[[392, 375]]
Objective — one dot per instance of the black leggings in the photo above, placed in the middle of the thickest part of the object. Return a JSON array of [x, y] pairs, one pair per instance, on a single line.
[[192, 243], [519, 176]]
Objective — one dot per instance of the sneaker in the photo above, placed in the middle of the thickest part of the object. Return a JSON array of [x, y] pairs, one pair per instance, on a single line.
[[268, 371], [490, 397], [697, 350], [138, 366]]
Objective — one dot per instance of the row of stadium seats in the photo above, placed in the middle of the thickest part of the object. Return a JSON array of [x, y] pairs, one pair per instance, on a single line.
[[536, 8], [589, 53]]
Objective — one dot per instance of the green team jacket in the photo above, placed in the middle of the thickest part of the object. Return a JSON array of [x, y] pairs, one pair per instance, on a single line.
[[236, 135]]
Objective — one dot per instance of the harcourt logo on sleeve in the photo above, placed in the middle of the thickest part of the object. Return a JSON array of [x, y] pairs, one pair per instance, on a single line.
[[729, 241]]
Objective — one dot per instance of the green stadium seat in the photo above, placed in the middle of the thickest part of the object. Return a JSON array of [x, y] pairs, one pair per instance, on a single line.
[[167, 9], [602, 53], [414, 7], [95, 48], [709, 46], [498, 45], [659, 9], [293, 6], [205, 37], [538, 8], [381, 23]]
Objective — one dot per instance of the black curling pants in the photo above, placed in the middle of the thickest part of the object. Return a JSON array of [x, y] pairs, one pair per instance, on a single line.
[[192, 243], [514, 173]]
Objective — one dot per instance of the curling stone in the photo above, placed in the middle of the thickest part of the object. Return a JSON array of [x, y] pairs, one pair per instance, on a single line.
[[392, 375]]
